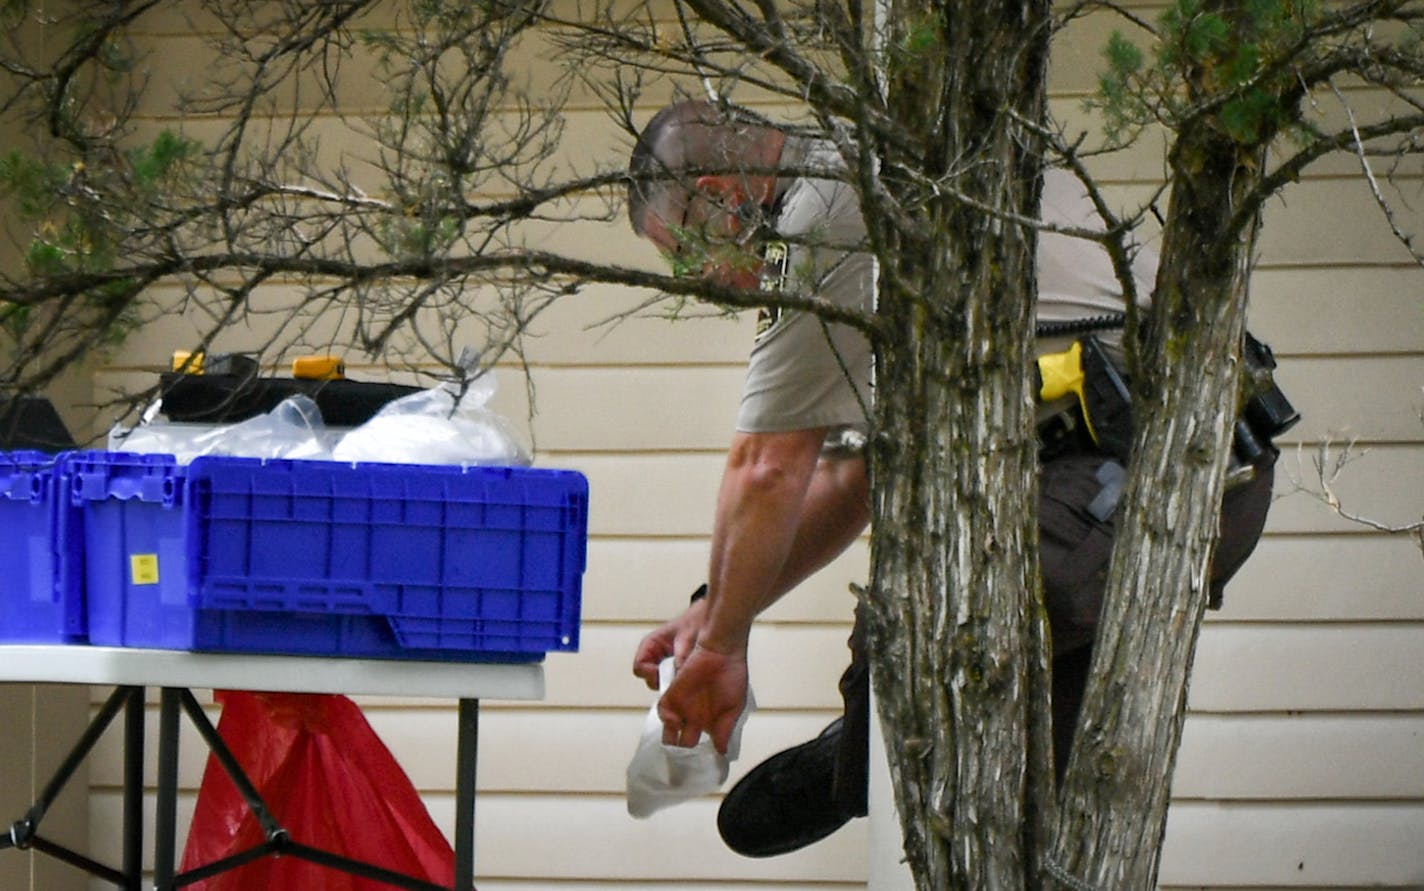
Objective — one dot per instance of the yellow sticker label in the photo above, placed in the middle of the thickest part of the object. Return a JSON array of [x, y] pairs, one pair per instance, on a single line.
[[143, 568]]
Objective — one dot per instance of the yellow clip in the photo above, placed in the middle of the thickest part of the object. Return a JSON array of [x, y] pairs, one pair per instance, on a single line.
[[187, 362], [1061, 374], [319, 368]]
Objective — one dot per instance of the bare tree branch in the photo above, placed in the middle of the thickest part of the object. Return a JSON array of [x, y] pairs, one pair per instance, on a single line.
[[1328, 466]]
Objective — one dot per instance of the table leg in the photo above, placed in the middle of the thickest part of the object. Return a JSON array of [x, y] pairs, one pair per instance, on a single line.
[[465, 762], [166, 820], [133, 790], [24, 833]]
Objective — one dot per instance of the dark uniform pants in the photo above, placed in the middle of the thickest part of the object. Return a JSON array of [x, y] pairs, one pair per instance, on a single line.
[[1075, 548]]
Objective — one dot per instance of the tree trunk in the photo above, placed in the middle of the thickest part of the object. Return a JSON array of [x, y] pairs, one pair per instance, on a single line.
[[954, 618], [1114, 802]]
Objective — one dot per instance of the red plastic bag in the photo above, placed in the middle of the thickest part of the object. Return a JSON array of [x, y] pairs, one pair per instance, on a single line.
[[329, 781]]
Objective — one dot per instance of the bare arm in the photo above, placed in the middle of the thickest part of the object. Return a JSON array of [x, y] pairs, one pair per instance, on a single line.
[[782, 514], [835, 511], [760, 507]]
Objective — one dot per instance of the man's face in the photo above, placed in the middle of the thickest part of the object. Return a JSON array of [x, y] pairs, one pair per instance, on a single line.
[[709, 239]]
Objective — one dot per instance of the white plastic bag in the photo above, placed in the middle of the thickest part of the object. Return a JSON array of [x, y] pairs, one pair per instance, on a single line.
[[293, 429], [660, 775], [429, 427]]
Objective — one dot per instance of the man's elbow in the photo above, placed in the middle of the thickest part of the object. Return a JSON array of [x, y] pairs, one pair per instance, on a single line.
[[774, 463]]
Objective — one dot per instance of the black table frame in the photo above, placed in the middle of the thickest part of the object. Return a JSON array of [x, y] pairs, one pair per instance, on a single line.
[[176, 702]]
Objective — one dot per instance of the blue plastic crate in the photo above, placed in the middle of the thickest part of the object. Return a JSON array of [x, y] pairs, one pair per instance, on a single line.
[[127, 511], [38, 559], [310, 557]]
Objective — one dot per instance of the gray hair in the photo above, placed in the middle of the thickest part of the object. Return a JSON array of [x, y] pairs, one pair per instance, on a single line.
[[691, 135]]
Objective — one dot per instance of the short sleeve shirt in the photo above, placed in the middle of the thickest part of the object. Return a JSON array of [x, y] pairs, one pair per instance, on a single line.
[[805, 373], [1076, 279]]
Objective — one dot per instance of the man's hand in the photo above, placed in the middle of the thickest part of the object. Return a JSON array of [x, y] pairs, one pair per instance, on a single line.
[[675, 638], [707, 694]]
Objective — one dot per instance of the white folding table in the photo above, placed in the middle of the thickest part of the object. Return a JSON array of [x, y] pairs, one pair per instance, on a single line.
[[176, 674]]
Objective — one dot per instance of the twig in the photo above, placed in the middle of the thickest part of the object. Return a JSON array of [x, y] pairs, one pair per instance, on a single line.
[[1328, 468]]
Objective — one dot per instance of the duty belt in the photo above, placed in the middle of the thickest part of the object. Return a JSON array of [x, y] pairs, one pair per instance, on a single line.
[[1085, 405]]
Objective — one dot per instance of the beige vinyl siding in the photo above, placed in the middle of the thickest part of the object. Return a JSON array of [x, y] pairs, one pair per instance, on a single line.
[[1301, 765], [43, 721]]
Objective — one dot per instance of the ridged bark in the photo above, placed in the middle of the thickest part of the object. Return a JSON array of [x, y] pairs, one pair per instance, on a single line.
[[1114, 804], [954, 618]]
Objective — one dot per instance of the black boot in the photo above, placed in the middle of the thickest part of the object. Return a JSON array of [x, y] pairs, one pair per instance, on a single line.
[[805, 793], [788, 801]]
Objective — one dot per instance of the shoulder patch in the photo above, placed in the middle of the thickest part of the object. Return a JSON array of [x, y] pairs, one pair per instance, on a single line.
[[767, 317], [774, 258]]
